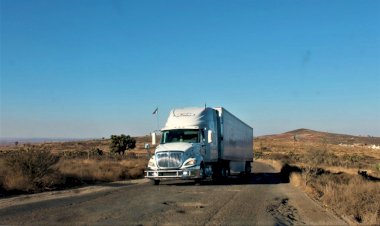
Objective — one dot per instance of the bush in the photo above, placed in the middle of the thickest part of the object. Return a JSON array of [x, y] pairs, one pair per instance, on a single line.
[[30, 170], [121, 143], [74, 154], [97, 152]]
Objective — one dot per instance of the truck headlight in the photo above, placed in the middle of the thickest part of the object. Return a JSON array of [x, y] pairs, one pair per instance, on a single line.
[[151, 163], [190, 162]]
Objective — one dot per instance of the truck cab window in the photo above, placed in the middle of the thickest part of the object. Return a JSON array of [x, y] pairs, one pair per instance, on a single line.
[[180, 135]]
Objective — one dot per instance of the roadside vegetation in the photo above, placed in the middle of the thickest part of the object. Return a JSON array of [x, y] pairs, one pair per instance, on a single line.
[[51, 166], [343, 176], [341, 172]]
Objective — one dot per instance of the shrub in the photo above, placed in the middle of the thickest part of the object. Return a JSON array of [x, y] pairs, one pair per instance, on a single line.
[[121, 143], [30, 170], [258, 154], [97, 152]]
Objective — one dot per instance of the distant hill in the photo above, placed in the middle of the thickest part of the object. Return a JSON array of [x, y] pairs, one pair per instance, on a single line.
[[317, 136], [11, 141]]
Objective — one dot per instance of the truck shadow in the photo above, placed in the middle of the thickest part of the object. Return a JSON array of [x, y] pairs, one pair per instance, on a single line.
[[254, 178]]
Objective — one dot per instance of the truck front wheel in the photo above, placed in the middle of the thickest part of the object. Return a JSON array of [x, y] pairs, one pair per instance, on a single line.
[[155, 182], [202, 175]]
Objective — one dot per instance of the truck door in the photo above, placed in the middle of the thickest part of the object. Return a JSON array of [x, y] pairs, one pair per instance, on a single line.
[[203, 142]]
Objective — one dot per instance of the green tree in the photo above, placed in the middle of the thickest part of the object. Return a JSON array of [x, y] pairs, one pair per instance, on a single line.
[[119, 144]]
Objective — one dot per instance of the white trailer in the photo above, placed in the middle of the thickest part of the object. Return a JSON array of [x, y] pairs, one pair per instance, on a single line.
[[236, 146], [201, 142]]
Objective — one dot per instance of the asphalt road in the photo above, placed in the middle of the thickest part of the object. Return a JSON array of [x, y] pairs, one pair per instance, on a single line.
[[263, 200]]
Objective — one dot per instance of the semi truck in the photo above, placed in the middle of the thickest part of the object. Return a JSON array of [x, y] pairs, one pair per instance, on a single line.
[[199, 143]]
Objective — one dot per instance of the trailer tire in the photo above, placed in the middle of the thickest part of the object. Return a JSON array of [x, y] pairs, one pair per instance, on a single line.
[[248, 168], [247, 173]]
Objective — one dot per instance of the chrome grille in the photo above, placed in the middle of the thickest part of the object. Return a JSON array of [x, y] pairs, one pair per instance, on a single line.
[[169, 159]]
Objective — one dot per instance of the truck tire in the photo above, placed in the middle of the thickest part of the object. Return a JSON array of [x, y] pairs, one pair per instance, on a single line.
[[202, 175], [221, 171], [215, 172], [247, 173], [226, 171], [155, 182], [248, 168]]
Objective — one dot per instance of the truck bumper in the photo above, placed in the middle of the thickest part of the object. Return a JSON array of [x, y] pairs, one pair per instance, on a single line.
[[185, 174]]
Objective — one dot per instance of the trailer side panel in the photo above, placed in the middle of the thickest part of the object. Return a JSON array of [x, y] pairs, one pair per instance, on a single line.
[[237, 138]]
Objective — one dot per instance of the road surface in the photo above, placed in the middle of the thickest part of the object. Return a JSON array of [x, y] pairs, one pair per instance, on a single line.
[[264, 200]]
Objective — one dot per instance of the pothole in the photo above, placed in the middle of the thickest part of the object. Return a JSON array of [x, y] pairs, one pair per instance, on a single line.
[[283, 212]]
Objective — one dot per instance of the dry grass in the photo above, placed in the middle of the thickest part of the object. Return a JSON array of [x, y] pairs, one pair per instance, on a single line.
[[29, 170], [296, 179], [357, 198], [75, 146], [48, 166], [352, 197], [329, 171], [332, 156], [276, 164], [102, 170]]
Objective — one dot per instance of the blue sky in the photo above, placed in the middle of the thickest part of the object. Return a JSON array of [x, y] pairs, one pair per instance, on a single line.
[[82, 69]]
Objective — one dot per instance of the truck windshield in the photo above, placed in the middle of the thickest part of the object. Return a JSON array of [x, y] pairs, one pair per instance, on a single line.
[[180, 135]]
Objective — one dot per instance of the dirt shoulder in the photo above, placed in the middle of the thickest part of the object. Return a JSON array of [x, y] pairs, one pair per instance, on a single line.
[[45, 196]]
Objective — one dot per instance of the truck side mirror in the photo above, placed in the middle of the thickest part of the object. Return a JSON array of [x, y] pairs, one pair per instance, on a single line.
[[209, 136], [153, 138]]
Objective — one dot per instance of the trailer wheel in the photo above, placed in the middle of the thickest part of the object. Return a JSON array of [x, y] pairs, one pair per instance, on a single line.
[[248, 168], [156, 182], [247, 174], [224, 172]]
